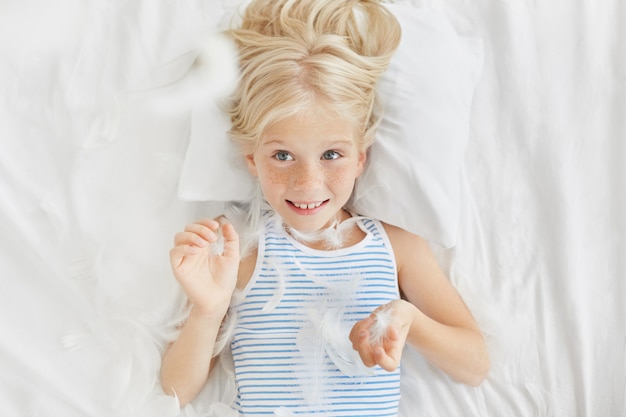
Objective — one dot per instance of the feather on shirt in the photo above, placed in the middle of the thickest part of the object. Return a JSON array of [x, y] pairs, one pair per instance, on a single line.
[[290, 347]]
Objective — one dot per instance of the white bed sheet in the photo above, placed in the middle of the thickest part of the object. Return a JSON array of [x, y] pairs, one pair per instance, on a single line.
[[88, 208]]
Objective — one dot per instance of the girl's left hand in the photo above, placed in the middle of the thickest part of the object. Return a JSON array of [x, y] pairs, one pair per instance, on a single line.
[[388, 351]]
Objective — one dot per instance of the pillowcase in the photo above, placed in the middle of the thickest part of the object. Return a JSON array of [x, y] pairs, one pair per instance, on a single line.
[[413, 176]]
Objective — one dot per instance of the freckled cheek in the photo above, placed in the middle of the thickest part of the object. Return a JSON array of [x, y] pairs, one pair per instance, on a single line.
[[276, 177], [342, 177], [281, 178]]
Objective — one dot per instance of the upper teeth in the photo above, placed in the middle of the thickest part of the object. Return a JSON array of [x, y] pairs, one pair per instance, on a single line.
[[307, 206]]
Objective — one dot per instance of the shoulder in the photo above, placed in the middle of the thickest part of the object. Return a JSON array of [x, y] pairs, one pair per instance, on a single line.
[[414, 257], [404, 243], [397, 232]]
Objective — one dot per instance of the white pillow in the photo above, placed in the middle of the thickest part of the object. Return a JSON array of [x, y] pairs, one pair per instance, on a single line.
[[413, 175]]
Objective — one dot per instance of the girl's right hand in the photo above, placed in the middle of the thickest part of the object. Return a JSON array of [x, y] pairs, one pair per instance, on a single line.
[[207, 278]]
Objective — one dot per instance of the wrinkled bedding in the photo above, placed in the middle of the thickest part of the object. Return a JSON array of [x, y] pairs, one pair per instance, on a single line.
[[90, 161]]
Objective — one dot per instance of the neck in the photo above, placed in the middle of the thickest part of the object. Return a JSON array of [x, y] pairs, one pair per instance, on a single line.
[[340, 233]]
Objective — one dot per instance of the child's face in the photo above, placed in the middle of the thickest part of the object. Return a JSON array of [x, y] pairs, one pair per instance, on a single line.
[[307, 166]]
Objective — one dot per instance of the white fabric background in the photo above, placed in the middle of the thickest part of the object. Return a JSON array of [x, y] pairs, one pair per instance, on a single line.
[[88, 176]]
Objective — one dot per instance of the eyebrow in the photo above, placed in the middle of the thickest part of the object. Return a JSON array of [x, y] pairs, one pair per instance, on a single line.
[[334, 143]]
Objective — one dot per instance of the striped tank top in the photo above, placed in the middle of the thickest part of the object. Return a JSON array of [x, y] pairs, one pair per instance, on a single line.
[[291, 347]]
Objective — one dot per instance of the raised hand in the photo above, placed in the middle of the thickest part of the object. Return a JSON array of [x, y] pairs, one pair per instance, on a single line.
[[208, 276], [379, 339]]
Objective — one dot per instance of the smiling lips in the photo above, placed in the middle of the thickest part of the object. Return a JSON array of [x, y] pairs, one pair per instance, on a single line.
[[307, 206]]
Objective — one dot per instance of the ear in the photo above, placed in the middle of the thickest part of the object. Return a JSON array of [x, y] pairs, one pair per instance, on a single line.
[[251, 163], [361, 162]]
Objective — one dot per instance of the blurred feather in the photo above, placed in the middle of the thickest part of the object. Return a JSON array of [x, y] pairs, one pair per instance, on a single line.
[[205, 74]]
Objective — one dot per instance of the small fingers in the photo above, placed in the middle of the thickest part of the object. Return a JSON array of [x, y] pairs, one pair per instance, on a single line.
[[195, 238], [179, 252], [231, 240], [384, 360], [360, 342], [207, 229], [389, 353], [357, 330], [190, 239], [199, 234], [212, 224]]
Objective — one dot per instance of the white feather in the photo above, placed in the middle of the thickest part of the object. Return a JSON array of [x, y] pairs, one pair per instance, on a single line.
[[382, 320], [283, 412], [208, 73], [325, 335], [279, 291], [332, 237], [246, 217]]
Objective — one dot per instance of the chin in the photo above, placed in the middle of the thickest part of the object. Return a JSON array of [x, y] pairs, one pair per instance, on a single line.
[[307, 226]]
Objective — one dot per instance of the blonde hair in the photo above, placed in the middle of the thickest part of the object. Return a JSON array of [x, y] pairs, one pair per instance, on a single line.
[[296, 55]]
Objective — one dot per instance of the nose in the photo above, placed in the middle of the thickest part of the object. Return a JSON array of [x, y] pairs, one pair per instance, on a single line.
[[307, 176]]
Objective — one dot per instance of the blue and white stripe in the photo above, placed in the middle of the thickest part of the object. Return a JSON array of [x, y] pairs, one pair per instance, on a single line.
[[290, 346]]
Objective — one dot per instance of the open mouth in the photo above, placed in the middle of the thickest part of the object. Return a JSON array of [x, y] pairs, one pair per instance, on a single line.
[[307, 206]]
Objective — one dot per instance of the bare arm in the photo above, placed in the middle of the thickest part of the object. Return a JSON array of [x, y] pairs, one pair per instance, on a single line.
[[433, 318], [187, 362], [209, 280]]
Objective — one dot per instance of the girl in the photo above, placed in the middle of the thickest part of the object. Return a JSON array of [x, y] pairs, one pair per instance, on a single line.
[[321, 307]]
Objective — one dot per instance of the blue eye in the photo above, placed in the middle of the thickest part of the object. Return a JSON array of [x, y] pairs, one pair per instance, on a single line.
[[330, 155], [283, 156]]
